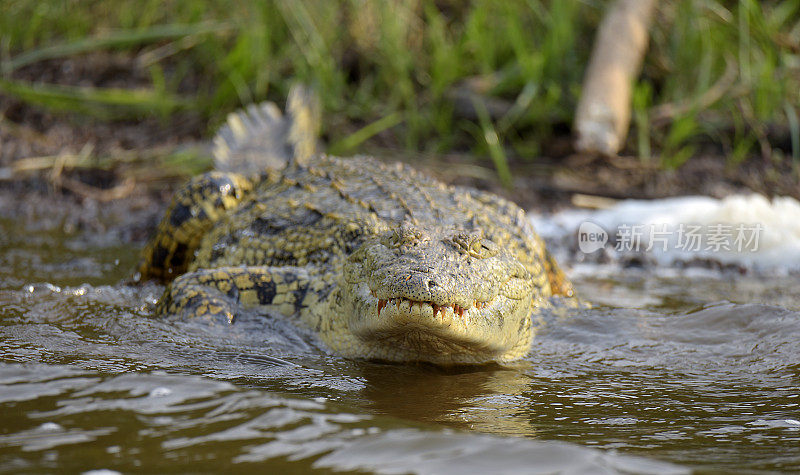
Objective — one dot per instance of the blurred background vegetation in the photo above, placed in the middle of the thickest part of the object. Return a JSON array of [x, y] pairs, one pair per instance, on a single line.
[[499, 79]]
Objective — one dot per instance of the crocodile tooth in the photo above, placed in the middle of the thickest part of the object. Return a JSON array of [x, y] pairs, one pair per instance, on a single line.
[[381, 304]]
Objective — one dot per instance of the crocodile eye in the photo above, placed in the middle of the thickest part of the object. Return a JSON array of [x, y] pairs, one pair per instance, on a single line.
[[407, 235], [391, 239], [474, 245], [482, 248]]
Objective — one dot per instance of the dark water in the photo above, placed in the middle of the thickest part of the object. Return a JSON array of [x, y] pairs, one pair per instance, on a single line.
[[669, 372]]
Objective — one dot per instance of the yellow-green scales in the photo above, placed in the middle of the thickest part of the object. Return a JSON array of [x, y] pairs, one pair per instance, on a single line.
[[380, 260]]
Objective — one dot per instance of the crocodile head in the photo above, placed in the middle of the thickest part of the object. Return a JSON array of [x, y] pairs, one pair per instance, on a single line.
[[437, 296]]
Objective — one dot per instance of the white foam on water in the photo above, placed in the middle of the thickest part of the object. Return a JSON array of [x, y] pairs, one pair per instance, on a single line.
[[776, 223]]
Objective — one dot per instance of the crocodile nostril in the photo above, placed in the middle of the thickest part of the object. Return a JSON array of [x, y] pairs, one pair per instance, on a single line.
[[432, 284]]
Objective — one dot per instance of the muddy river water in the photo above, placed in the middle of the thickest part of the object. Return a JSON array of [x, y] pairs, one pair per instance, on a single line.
[[671, 371]]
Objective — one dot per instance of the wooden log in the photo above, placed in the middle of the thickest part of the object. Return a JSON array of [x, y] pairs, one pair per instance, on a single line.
[[603, 113]]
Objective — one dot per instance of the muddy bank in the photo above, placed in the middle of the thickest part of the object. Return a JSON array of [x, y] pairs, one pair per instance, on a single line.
[[102, 176], [81, 159]]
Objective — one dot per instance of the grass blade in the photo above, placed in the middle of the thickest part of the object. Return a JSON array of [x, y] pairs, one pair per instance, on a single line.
[[794, 131], [118, 39], [493, 143], [358, 137], [100, 102]]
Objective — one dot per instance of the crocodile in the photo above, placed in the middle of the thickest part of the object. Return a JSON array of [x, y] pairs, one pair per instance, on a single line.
[[382, 261]]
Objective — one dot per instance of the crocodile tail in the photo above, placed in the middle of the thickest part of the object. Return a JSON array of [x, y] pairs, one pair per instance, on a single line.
[[559, 284], [259, 137], [304, 111]]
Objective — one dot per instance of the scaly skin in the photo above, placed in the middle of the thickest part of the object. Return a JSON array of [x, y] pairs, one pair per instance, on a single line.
[[380, 260], [194, 210]]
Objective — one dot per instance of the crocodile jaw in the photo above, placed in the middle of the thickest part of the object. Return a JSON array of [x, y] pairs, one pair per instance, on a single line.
[[401, 329]]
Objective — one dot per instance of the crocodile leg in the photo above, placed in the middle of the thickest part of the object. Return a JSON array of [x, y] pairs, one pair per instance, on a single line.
[[193, 211], [220, 293]]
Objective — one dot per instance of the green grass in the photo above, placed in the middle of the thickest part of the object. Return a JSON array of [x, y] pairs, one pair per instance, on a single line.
[[386, 70], [734, 66]]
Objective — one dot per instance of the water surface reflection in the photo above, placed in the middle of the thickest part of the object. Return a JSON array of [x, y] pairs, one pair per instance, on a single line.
[[693, 369]]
